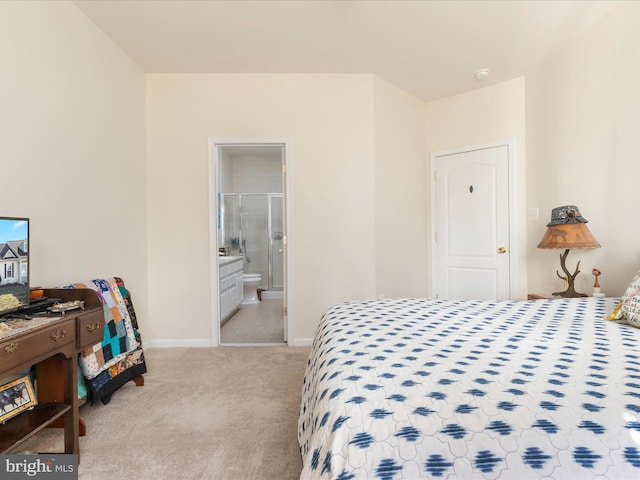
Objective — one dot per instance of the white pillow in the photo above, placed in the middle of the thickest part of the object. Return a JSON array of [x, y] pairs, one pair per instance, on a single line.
[[628, 310]]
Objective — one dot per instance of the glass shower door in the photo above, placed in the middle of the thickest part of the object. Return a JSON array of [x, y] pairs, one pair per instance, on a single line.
[[276, 225], [255, 245]]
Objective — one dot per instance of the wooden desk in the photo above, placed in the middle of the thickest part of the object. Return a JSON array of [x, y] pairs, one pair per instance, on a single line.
[[33, 341]]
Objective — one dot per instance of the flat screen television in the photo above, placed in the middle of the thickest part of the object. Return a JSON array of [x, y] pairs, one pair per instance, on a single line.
[[14, 264]]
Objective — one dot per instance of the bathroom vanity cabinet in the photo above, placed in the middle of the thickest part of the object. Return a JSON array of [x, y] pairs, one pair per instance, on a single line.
[[231, 288]]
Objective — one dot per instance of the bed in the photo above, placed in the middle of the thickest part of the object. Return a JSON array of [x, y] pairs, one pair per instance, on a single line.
[[419, 388]]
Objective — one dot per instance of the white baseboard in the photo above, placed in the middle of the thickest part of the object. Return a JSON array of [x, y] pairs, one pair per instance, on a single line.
[[301, 342], [272, 294]]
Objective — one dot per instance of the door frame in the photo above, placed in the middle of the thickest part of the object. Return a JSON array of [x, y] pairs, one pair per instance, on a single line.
[[513, 226], [287, 203]]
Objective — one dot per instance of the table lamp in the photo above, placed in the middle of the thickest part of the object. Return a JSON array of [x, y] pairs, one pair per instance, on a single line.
[[568, 230]]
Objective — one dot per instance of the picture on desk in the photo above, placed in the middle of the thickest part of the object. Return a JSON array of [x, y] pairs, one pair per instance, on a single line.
[[16, 397]]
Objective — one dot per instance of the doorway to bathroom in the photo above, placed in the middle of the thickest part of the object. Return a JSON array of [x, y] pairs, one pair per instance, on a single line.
[[252, 227], [250, 243]]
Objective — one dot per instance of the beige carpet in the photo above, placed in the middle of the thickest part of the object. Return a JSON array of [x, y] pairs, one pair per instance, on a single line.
[[206, 413]]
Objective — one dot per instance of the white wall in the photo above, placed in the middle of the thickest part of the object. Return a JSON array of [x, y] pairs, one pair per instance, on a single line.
[[485, 115], [583, 113], [329, 119], [257, 174], [73, 118], [225, 172], [401, 214], [72, 146]]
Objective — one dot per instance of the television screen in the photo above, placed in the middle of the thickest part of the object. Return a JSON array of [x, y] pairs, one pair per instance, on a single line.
[[14, 264]]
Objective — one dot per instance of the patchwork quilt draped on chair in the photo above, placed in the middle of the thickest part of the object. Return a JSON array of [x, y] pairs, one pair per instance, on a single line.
[[119, 358]]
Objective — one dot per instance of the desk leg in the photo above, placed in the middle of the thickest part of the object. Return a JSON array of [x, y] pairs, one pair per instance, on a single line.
[[71, 430], [50, 383]]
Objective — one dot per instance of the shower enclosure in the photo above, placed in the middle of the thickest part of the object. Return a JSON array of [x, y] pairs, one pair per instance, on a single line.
[[252, 226]]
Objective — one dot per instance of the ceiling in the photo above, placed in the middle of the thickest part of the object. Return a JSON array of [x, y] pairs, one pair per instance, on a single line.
[[428, 48]]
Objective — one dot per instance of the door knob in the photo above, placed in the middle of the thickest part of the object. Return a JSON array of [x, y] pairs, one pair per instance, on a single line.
[[502, 250], [280, 250]]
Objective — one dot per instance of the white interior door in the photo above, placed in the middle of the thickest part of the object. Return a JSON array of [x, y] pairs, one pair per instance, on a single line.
[[471, 249]]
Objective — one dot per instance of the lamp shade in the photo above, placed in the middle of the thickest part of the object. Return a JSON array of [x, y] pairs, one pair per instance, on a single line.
[[567, 230]]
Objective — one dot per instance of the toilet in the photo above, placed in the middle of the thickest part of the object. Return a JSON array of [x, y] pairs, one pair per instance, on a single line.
[[250, 287]]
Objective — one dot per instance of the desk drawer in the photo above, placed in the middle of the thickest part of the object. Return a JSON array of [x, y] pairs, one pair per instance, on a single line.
[[18, 350], [90, 329]]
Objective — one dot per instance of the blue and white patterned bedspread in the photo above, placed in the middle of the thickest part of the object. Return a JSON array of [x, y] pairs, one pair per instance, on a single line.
[[416, 388]]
